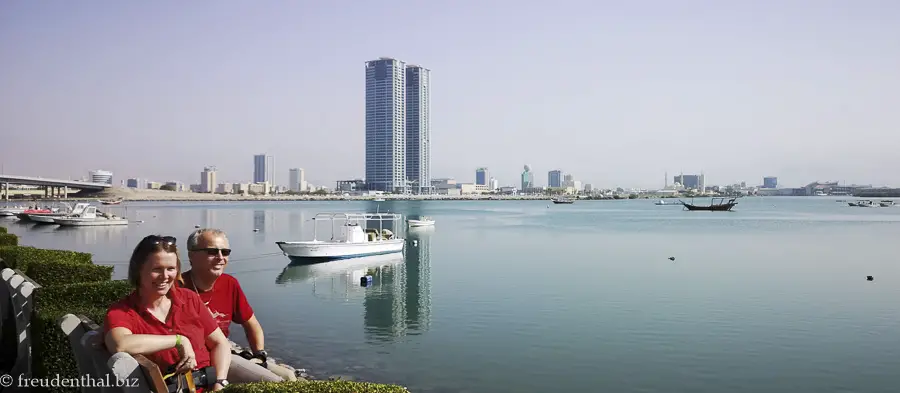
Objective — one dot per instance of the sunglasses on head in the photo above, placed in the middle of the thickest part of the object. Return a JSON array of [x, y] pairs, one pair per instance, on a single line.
[[167, 241], [214, 251]]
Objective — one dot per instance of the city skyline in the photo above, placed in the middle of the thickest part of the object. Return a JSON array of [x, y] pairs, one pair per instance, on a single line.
[[618, 95]]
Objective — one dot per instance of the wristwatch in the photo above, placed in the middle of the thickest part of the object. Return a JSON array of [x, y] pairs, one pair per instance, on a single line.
[[223, 382]]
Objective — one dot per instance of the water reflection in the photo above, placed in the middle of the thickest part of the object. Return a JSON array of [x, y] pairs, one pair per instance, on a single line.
[[402, 305], [93, 235], [208, 218], [396, 303]]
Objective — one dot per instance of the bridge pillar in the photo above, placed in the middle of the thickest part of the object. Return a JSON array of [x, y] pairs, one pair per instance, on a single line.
[[6, 191], [65, 192], [46, 191]]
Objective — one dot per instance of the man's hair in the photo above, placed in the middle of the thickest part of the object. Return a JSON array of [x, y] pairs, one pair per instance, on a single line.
[[194, 239]]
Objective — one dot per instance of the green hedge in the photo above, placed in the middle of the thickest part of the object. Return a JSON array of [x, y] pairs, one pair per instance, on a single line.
[[59, 273], [3, 230], [21, 256], [50, 349], [313, 387], [8, 239]]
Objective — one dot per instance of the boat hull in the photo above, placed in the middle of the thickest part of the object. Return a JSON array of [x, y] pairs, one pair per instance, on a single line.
[[714, 208], [89, 222], [312, 250], [417, 223]]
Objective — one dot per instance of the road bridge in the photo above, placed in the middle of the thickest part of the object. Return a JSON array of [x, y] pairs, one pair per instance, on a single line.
[[52, 187]]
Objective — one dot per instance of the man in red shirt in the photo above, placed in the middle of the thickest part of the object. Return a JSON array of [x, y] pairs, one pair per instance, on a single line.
[[208, 252]]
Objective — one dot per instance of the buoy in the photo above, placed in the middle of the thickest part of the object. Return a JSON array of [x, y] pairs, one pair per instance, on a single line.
[[415, 242], [671, 258], [255, 229], [196, 226], [870, 278]]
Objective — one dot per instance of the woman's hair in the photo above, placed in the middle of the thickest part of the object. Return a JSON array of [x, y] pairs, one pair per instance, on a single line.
[[151, 245]]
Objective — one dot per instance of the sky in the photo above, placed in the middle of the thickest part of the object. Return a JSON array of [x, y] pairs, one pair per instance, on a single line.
[[615, 93]]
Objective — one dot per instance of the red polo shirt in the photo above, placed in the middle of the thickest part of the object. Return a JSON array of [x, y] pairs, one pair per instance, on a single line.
[[187, 317], [226, 300]]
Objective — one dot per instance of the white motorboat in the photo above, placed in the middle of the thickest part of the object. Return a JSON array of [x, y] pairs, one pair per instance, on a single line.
[[886, 203], [421, 222], [11, 211], [348, 238], [90, 218], [662, 202]]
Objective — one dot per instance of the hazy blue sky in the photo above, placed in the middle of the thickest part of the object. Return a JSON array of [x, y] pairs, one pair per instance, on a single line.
[[613, 92]]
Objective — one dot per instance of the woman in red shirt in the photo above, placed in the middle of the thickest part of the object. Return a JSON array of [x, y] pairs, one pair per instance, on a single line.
[[167, 324]]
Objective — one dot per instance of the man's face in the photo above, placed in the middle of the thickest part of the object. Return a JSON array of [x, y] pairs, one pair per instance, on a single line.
[[211, 255]]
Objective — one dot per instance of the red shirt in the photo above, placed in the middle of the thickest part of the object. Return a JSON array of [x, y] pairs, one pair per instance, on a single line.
[[226, 300], [186, 317]]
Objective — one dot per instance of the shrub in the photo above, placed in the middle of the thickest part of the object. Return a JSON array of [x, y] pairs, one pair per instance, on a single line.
[[8, 239], [20, 257], [57, 273], [313, 387], [3, 230], [51, 352]]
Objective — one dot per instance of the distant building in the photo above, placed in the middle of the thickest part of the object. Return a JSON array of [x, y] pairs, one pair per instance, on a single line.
[[263, 168], [100, 176], [208, 180], [770, 182], [418, 128], [385, 109], [136, 183], [481, 176], [297, 179], [495, 184], [555, 178], [527, 179], [688, 181]]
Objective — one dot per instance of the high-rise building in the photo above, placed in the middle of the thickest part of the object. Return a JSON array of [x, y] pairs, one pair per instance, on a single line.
[[481, 177], [263, 168], [297, 179], [418, 129], [386, 125], [770, 182], [555, 178], [208, 179], [527, 179]]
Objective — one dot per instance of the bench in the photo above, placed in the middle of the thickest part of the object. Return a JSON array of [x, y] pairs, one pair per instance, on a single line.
[[137, 373], [16, 306]]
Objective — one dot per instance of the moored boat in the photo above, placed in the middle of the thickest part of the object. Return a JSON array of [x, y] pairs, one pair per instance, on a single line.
[[715, 205], [421, 222], [90, 218], [348, 239], [563, 201], [886, 203]]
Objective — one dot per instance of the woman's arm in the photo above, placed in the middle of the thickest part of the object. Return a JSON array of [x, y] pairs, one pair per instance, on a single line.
[[121, 339], [219, 352]]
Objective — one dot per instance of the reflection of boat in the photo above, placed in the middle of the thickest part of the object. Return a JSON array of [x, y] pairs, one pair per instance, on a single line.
[[563, 201], [348, 239], [715, 205], [421, 222], [354, 267], [90, 218]]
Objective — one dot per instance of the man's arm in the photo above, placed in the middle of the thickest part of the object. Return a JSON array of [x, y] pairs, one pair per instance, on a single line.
[[254, 333]]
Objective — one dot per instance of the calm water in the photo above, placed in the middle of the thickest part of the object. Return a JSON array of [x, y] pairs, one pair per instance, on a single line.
[[519, 297]]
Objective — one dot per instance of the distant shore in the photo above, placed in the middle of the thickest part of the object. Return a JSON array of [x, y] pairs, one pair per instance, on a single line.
[[136, 195]]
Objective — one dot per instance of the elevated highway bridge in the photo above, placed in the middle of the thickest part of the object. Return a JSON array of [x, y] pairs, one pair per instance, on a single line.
[[52, 187]]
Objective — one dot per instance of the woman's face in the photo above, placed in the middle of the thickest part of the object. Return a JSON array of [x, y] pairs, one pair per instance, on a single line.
[[159, 273]]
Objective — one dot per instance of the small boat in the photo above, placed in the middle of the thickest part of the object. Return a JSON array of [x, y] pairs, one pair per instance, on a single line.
[[563, 201], [862, 203], [421, 222], [715, 205], [662, 202], [378, 200], [112, 201], [90, 218], [11, 211], [886, 203], [48, 218], [348, 238]]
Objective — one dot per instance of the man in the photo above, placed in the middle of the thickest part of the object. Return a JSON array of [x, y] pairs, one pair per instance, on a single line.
[[208, 253]]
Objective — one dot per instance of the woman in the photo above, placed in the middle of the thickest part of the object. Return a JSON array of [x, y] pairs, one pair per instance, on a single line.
[[167, 324]]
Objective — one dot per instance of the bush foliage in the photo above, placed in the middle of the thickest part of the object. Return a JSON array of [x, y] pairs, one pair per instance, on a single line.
[[313, 387], [8, 239]]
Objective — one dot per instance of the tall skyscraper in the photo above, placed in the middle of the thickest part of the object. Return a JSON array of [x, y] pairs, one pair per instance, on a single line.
[[263, 169], [386, 125], [297, 179], [208, 179], [398, 127], [418, 128], [555, 178]]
